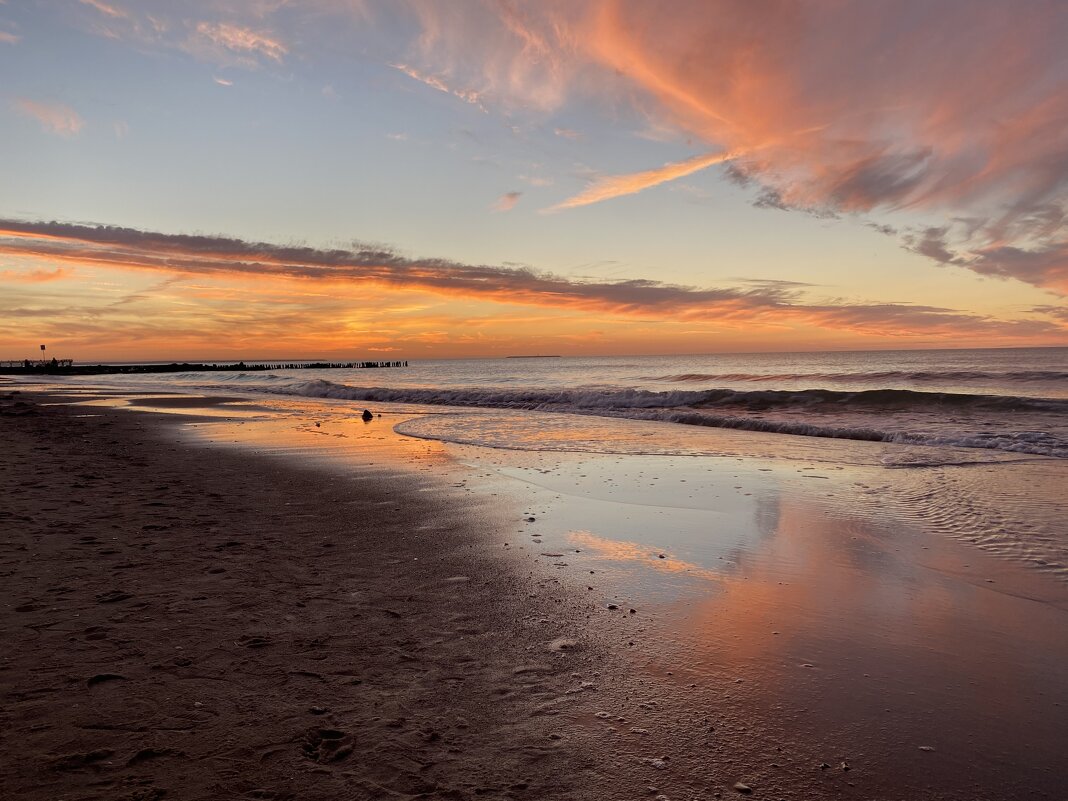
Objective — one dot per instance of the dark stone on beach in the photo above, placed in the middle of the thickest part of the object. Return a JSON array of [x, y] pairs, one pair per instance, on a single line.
[[613, 606], [662, 556], [530, 519], [824, 766], [367, 416], [634, 611]]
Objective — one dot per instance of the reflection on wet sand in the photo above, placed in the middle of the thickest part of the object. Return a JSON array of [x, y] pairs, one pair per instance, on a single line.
[[831, 609], [650, 559], [888, 645]]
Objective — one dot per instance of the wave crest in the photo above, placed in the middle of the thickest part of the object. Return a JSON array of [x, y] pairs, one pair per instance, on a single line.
[[865, 415]]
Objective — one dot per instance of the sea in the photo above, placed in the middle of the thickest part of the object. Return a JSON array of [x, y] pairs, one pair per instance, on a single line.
[[998, 400]]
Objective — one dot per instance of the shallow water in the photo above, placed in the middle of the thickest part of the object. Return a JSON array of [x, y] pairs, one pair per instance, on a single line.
[[1011, 400], [1008, 504]]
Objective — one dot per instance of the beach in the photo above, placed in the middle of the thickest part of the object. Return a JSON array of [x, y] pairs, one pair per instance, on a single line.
[[239, 597]]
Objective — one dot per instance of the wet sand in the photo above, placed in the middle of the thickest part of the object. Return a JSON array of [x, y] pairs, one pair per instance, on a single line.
[[336, 611]]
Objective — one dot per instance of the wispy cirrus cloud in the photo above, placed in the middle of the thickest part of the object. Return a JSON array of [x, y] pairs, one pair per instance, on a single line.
[[241, 40], [768, 303], [439, 83], [231, 34], [613, 186], [107, 10], [54, 118]]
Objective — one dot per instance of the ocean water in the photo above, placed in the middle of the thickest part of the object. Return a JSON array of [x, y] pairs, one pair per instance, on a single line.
[[1003, 400]]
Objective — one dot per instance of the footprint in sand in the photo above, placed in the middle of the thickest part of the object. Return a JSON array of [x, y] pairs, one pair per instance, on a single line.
[[327, 745], [254, 641], [112, 596]]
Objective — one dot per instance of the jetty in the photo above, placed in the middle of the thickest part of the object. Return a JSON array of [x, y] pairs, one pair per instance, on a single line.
[[68, 367]]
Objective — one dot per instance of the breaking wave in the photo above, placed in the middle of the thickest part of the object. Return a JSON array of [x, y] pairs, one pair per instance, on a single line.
[[1016, 424], [886, 376]]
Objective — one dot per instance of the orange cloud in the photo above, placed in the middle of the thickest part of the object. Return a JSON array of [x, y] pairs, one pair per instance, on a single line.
[[618, 185], [754, 304], [53, 117], [35, 276], [9, 38]]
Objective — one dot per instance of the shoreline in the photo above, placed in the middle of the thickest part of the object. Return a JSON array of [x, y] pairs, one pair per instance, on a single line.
[[689, 712]]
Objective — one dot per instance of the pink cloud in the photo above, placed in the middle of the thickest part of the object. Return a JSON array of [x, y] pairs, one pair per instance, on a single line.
[[9, 38], [439, 83], [507, 201], [105, 9], [53, 117], [951, 110], [241, 40]]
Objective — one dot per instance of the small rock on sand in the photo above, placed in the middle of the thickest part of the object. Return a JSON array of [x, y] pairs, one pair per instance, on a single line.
[[563, 644], [743, 788]]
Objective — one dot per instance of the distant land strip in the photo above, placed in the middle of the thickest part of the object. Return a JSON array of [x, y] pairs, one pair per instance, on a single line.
[[46, 368]]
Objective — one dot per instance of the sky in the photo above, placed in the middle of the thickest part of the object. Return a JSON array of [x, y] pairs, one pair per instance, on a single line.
[[194, 179]]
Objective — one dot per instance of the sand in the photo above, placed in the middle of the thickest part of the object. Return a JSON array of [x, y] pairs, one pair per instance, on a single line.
[[187, 619], [183, 627]]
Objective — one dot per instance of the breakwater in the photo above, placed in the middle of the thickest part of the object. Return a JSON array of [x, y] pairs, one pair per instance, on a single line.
[[67, 368]]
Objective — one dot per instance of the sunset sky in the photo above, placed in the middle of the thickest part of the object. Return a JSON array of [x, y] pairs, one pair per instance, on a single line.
[[337, 178]]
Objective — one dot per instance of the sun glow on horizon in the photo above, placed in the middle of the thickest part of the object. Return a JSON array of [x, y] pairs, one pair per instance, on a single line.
[[728, 177]]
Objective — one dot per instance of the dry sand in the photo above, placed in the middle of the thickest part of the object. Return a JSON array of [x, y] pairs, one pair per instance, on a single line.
[[189, 622]]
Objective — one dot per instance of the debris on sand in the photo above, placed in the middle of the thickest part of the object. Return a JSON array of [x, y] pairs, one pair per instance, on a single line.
[[563, 644]]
